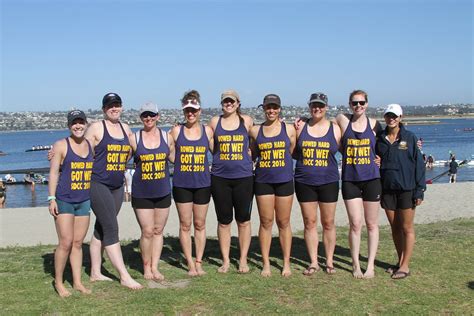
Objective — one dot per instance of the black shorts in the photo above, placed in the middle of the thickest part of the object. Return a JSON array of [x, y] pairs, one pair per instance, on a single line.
[[277, 189], [369, 191], [326, 193], [397, 200], [187, 195], [230, 195], [149, 203]]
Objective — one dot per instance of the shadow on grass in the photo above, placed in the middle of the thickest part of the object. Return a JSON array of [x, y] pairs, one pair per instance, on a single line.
[[470, 285], [173, 256]]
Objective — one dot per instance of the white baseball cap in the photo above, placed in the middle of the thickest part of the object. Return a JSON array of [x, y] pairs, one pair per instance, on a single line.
[[394, 108]]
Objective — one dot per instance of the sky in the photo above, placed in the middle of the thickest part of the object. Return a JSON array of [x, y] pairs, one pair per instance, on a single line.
[[56, 55]]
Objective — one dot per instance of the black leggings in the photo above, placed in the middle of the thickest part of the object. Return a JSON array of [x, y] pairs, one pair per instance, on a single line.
[[230, 194], [105, 204]]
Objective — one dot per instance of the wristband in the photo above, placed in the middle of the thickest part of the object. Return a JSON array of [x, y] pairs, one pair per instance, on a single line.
[[51, 197]]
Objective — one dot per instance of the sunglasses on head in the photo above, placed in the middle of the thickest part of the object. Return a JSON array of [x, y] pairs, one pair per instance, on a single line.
[[228, 100], [192, 101], [148, 114], [355, 103], [190, 110]]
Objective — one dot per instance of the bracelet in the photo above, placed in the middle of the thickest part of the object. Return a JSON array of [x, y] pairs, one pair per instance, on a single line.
[[51, 197]]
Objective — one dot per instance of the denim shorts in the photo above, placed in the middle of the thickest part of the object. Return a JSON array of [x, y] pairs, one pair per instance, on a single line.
[[76, 209]]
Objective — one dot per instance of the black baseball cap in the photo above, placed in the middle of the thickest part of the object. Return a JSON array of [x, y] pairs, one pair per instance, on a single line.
[[111, 98], [271, 99], [75, 114]]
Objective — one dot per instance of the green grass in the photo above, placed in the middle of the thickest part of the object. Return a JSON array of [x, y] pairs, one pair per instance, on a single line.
[[442, 281]]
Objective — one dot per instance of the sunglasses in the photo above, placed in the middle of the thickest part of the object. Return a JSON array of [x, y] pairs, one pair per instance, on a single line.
[[190, 110], [228, 100], [317, 105], [271, 106], [355, 103], [148, 114], [391, 116], [114, 105]]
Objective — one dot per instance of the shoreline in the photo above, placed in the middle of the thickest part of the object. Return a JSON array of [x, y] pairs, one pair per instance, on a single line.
[[443, 202]]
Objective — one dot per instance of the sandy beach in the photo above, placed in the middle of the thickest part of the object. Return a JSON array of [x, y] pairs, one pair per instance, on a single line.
[[33, 226]]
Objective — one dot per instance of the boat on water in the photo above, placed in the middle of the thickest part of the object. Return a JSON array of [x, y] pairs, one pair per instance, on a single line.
[[40, 147], [2, 153], [35, 178]]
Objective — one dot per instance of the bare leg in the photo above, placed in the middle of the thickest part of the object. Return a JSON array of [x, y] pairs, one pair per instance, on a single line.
[[355, 209], [223, 234], [309, 210], [145, 219], [371, 212], [407, 219], [200, 213], [65, 230], [81, 224], [328, 211], [266, 211], [283, 213], [397, 234], [95, 249], [245, 235], [185, 212], [114, 252]]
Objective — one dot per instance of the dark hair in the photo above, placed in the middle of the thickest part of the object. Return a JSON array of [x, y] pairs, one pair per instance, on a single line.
[[191, 95], [355, 92]]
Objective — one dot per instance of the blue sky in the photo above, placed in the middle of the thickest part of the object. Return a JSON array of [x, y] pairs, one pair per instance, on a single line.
[[61, 54]]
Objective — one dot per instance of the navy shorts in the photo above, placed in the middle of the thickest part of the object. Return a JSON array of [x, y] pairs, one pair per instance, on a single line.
[[326, 193], [397, 200], [76, 209], [369, 191], [149, 203], [277, 189], [187, 195]]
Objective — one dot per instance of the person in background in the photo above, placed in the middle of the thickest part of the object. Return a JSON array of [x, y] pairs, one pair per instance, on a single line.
[[453, 170], [151, 189], [317, 180], [3, 193], [232, 177], [361, 187], [69, 199], [110, 139], [128, 184], [192, 179], [272, 145], [430, 162], [403, 183]]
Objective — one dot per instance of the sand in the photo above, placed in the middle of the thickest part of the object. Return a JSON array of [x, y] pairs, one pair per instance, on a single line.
[[34, 226]]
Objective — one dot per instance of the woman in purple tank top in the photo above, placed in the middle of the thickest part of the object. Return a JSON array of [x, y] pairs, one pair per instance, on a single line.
[[192, 179], [110, 139], [151, 190], [272, 145], [361, 188], [232, 177], [68, 198], [317, 180]]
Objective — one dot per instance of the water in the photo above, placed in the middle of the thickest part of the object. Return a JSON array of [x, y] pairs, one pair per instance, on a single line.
[[438, 139]]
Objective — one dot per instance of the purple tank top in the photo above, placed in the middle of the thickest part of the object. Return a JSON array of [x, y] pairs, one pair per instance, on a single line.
[[191, 165], [231, 159], [111, 159], [316, 164], [358, 155], [75, 178], [274, 162], [151, 178]]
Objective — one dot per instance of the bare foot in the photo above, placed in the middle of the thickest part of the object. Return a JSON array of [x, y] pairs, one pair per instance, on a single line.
[[81, 288], [286, 272], [99, 277], [266, 272], [61, 290], [199, 269], [243, 268], [357, 273], [131, 284], [192, 273], [369, 274], [147, 274], [224, 268], [157, 276]]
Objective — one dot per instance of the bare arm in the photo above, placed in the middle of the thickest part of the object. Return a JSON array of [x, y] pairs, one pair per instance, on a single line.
[[210, 137], [59, 149], [172, 153], [253, 136], [291, 131]]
